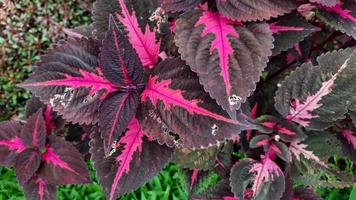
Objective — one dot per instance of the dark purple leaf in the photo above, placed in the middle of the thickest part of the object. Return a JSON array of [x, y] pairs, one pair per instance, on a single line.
[[281, 150], [119, 61], [259, 141], [68, 78], [317, 96], [227, 57], [178, 5], [289, 30], [241, 177], [253, 10], [62, 163], [116, 112], [176, 101], [38, 189], [10, 142], [341, 17], [33, 132], [79, 137], [26, 165], [306, 194], [132, 157]]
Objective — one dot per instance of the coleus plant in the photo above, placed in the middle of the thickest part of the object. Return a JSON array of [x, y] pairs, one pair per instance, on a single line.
[[149, 82]]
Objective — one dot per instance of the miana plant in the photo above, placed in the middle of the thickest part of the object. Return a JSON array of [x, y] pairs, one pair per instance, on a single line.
[[260, 92]]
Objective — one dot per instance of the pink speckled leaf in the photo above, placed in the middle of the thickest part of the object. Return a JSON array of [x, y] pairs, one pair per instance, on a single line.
[[176, 103], [68, 79], [266, 178], [253, 10], [227, 56], [326, 93], [299, 149], [134, 156], [10, 142], [38, 189], [62, 163], [143, 42]]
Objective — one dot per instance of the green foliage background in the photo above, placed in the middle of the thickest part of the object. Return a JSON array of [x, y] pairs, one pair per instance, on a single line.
[[27, 28]]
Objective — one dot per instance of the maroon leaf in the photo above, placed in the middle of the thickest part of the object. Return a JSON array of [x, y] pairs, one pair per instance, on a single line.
[[134, 156], [259, 141], [38, 189], [143, 42], [178, 5], [350, 136], [68, 79], [252, 10], [79, 137], [326, 2], [26, 165], [119, 61], [62, 163], [117, 111], [341, 16], [10, 142], [175, 100], [221, 51], [317, 96], [33, 132], [289, 30]]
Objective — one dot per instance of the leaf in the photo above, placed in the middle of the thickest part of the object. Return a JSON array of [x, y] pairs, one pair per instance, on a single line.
[[78, 136], [27, 164], [38, 189], [286, 130], [267, 177], [135, 157], [353, 192], [317, 96], [267, 171], [341, 17], [222, 51], [10, 142], [306, 194], [281, 150], [119, 61], [199, 159], [33, 132], [218, 191], [175, 100], [350, 137], [178, 5], [62, 163], [259, 141], [288, 30], [324, 145], [144, 42], [68, 79], [253, 10], [326, 2], [241, 177], [80, 31], [102, 9], [299, 149], [117, 111]]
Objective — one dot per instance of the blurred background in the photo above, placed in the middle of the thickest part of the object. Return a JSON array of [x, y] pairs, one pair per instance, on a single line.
[[27, 28]]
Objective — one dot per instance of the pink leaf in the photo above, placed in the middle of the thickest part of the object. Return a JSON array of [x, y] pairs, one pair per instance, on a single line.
[[218, 25], [350, 137], [275, 28], [87, 79], [193, 178], [144, 43], [299, 149], [301, 112], [14, 144], [159, 90], [265, 171], [130, 142]]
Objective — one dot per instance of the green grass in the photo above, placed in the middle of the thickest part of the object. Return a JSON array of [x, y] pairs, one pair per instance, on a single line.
[[170, 184]]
